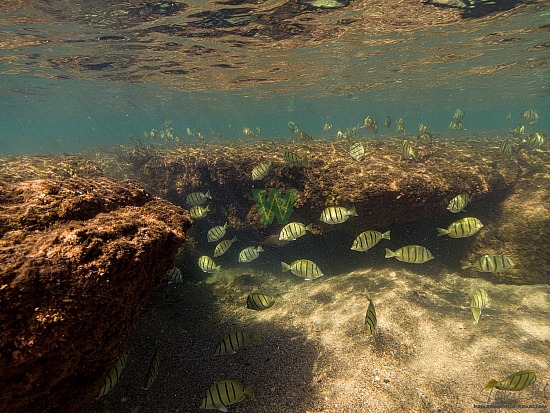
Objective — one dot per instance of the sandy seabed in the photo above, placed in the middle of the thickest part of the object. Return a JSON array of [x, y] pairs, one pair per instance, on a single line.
[[427, 354]]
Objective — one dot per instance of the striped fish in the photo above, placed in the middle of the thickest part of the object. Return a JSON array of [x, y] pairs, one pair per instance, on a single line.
[[304, 137], [459, 114], [479, 301], [250, 254], [234, 340], [174, 275], [422, 127], [260, 302], [336, 214], [216, 233], [357, 151], [456, 125], [303, 268], [223, 246], [387, 122], [514, 382], [465, 227], [197, 198], [414, 254], [370, 318], [530, 116], [517, 131], [294, 230], [408, 151], [425, 138], [207, 264], [294, 159], [489, 263], [459, 202], [153, 371], [198, 211], [260, 171], [533, 141], [368, 239], [113, 375], [506, 149], [224, 393]]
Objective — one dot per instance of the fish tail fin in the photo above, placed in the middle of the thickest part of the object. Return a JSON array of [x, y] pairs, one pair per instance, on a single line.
[[278, 297], [225, 225], [367, 294], [207, 209], [442, 232], [259, 249], [305, 161], [309, 227], [386, 235], [492, 383], [390, 253], [465, 264], [249, 391], [218, 267], [352, 212], [234, 239], [477, 313], [285, 266], [207, 195]]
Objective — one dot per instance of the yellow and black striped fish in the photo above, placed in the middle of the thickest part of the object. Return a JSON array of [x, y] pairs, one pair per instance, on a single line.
[[260, 302], [489, 263], [517, 131], [465, 227], [216, 233], [456, 125], [197, 198], [260, 171], [459, 202], [413, 254], [234, 340], [337, 214], [514, 382], [294, 230], [223, 246], [250, 253], [303, 268], [422, 127], [368, 239], [174, 275], [294, 159], [478, 302], [533, 141], [198, 211], [113, 375], [425, 138], [224, 393], [458, 115], [357, 151], [153, 371], [408, 151], [530, 116], [387, 122], [370, 318], [506, 149], [207, 264], [304, 137]]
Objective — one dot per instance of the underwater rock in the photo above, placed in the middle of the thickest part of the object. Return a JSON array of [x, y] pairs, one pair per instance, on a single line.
[[78, 260], [521, 229]]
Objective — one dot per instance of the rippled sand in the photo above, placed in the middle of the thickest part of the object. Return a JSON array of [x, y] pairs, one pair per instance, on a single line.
[[427, 355]]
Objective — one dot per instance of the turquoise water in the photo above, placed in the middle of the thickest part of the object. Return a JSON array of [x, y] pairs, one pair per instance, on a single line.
[[71, 80]]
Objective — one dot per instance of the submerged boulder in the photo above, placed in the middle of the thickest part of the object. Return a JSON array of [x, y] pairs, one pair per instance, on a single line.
[[79, 257]]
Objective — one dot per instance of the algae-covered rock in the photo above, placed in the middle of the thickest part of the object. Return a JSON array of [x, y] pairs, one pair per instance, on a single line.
[[78, 260]]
